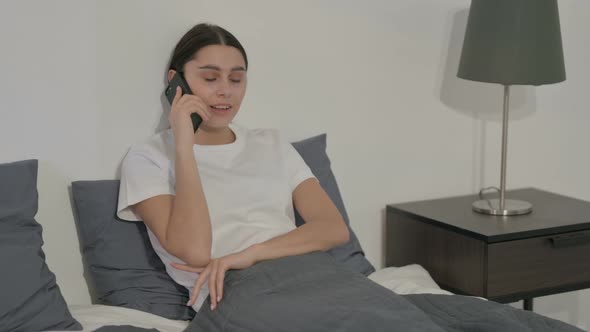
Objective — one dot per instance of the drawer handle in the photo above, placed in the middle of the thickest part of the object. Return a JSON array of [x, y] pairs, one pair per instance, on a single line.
[[571, 240]]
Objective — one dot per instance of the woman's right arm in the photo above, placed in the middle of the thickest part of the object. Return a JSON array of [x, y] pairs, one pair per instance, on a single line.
[[181, 222]]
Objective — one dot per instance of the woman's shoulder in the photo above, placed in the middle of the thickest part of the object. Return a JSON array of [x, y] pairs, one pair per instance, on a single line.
[[156, 148]]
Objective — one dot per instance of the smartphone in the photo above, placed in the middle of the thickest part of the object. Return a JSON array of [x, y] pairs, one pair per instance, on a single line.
[[179, 81]]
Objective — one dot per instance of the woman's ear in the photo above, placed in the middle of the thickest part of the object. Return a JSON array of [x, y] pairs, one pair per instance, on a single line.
[[171, 73]]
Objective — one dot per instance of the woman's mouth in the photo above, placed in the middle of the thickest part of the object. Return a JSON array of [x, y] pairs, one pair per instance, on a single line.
[[221, 109]]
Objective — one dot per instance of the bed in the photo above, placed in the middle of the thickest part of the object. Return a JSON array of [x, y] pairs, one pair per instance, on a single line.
[[411, 279], [131, 290]]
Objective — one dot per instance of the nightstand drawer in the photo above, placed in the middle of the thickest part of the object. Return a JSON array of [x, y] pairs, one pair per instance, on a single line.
[[532, 264]]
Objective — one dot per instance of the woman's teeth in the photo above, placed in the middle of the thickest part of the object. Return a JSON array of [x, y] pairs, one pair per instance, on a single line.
[[221, 110]]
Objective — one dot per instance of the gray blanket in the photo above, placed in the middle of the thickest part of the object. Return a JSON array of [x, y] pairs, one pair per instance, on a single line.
[[313, 293]]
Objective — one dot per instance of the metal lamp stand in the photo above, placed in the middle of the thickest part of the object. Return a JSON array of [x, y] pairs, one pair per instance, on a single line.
[[502, 206]]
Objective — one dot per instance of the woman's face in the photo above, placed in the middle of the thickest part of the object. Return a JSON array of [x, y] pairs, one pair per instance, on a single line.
[[217, 74]]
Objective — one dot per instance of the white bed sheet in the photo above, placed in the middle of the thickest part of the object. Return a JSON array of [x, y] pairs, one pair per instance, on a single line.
[[94, 316], [410, 279]]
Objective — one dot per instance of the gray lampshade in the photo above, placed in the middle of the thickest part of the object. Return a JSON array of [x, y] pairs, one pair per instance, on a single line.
[[513, 42]]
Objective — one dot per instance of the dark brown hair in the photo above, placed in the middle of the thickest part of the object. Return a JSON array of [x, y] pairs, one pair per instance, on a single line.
[[199, 36]]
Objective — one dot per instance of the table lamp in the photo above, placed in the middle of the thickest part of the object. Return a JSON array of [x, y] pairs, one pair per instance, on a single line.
[[511, 42]]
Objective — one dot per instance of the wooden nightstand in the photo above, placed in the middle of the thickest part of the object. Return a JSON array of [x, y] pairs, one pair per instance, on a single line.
[[505, 259]]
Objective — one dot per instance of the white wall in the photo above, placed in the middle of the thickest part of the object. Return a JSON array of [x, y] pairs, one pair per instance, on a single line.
[[82, 80]]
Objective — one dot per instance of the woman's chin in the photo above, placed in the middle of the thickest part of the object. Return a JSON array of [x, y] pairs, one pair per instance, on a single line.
[[214, 125]]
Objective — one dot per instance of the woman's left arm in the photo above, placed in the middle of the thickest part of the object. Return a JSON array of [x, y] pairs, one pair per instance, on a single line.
[[324, 227]]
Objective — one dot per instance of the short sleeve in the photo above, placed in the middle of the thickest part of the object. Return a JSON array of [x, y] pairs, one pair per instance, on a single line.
[[141, 178], [297, 169]]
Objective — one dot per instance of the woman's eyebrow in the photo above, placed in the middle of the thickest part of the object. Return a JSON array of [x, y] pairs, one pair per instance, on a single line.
[[212, 67]]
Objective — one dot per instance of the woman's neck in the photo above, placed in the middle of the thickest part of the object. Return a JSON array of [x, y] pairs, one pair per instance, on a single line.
[[214, 136]]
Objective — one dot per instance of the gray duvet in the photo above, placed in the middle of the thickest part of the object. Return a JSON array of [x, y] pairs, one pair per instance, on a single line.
[[313, 293]]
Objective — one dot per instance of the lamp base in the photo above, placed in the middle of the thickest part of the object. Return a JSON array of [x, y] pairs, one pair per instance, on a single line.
[[511, 207]]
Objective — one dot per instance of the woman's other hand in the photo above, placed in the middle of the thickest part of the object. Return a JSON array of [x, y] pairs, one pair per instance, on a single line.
[[180, 116], [214, 272]]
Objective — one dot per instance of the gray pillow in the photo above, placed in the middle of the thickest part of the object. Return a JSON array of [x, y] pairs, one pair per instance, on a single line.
[[313, 151], [30, 298], [124, 270]]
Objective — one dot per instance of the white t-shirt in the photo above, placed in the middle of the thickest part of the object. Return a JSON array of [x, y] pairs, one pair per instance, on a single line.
[[248, 185]]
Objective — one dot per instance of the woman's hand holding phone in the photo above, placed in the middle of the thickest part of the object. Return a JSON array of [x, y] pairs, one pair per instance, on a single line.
[[180, 116]]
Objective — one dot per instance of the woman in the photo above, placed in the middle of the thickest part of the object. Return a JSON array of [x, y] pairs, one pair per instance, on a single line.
[[218, 204], [222, 197]]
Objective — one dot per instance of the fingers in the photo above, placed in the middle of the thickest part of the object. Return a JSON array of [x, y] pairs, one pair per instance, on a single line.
[[220, 279], [198, 284], [214, 273], [180, 116], [203, 110], [187, 268], [212, 283], [194, 104]]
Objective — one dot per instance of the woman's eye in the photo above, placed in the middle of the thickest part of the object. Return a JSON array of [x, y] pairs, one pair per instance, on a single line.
[[235, 80], [209, 79]]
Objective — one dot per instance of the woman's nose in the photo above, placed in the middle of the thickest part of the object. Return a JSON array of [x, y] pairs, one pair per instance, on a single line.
[[223, 89]]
